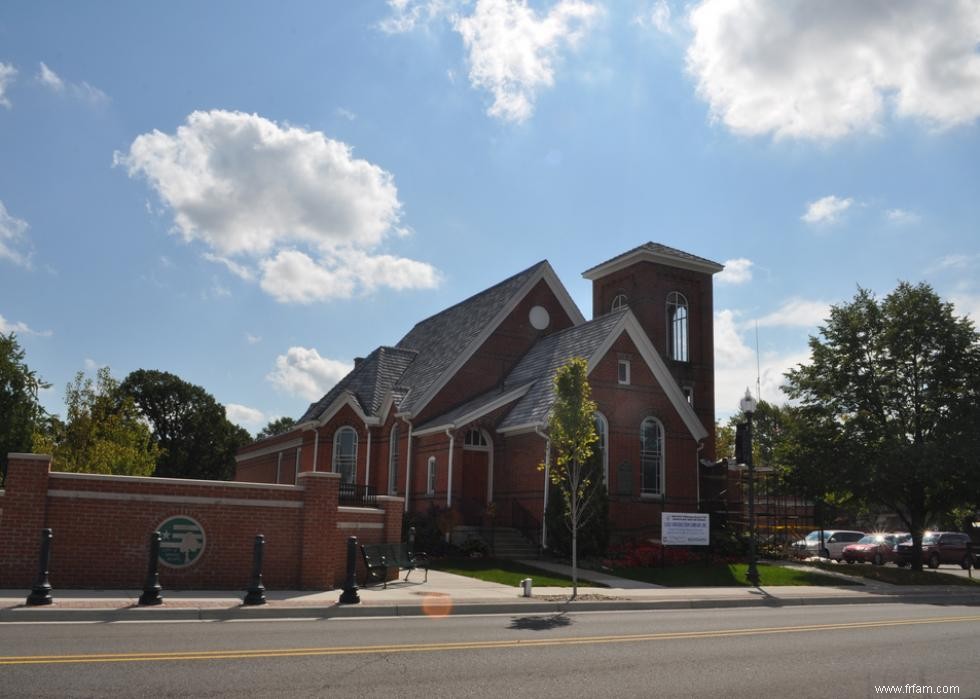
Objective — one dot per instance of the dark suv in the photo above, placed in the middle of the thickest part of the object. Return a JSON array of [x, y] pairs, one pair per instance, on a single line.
[[938, 547]]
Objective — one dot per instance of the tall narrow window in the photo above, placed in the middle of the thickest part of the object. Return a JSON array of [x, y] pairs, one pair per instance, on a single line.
[[624, 371], [602, 429], [677, 348], [345, 454], [652, 456], [430, 488], [393, 461]]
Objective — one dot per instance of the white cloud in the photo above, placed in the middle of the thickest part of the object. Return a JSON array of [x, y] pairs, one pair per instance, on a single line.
[[249, 418], [513, 50], [346, 113], [796, 312], [7, 75], [12, 237], [92, 365], [407, 15], [21, 328], [736, 367], [253, 339], [298, 201], [737, 271], [50, 79], [657, 16], [826, 210], [799, 69], [83, 91], [901, 216], [303, 372], [968, 305], [953, 261]]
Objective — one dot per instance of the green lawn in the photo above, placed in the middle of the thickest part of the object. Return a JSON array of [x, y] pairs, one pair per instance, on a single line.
[[505, 572], [897, 576], [726, 575]]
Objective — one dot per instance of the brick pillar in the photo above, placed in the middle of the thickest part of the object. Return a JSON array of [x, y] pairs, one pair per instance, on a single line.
[[394, 508], [320, 553], [22, 517]]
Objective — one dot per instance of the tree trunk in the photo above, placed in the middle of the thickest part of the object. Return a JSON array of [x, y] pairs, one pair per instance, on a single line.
[[574, 545]]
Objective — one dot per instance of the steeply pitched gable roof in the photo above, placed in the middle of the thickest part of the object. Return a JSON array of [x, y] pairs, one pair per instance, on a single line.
[[542, 361], [654, 252], [368, 383]]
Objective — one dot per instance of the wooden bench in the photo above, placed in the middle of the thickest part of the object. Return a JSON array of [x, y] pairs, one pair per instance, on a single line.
[[378, 558]]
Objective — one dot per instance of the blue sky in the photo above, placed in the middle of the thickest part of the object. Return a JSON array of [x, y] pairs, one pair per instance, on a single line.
[[249, 195]]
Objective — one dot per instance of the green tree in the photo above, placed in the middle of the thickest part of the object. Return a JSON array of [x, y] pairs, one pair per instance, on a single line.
[[196, 439], [593, 536], [20, 410], [571, 429], [888, 406], [277, 426], [102, 432]]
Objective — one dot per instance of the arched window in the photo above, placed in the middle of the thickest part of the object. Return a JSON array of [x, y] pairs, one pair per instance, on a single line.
[[652, 456], [677, 327], [602, 429], [619, 301], [430, 481], [393, 461], [345, 454]]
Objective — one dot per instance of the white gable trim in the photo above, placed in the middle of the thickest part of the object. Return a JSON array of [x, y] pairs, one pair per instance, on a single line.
[[645, 254], [345, 398], [561, 293], [631, 326], [476, 413]]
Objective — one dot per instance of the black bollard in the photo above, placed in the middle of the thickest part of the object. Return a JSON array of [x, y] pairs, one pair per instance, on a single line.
[[41, 592], [151, 588], [350, 595], [256, 590]]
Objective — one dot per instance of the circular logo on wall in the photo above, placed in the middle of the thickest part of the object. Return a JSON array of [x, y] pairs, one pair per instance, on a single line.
[[181, 541]]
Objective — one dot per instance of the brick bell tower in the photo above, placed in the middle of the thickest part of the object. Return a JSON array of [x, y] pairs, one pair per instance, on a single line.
[[670, 292]]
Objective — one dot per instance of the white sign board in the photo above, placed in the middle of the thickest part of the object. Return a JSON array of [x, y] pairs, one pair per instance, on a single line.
[[684, 529]]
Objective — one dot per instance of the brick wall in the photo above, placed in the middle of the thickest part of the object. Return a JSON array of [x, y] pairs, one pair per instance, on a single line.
[[102, 526]]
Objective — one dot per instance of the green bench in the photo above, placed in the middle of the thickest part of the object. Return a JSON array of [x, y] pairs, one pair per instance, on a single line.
[[378, 558]]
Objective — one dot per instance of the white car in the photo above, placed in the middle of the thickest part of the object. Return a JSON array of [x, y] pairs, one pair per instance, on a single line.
[[834, 541]]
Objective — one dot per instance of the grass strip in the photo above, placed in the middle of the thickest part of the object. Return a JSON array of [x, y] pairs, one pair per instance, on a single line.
[[727, 575], [894, 575], [506, 572]]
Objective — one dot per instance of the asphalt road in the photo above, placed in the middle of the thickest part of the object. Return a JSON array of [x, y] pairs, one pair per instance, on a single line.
[[820, 651]]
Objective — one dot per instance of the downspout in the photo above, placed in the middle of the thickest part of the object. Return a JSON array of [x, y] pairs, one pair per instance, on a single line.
[[697, 470], [316, 445], [367, 461], [449, 489], [547, 484], [408, 465]]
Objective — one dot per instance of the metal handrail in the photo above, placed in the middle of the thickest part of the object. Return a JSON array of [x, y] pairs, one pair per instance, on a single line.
[[357, 494]]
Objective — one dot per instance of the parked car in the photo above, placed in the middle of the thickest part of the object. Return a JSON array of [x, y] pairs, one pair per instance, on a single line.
[[834, 541], [874, 548], [938, 548]]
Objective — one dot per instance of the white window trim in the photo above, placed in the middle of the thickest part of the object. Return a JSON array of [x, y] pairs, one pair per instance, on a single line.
[[619, 378], [674, 298], [605, 451], [430, 476], [393, 460], [619, 302], [336, 449], [644, 493]]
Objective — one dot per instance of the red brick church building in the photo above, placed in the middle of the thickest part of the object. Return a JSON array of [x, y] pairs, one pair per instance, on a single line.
[[455, 414]]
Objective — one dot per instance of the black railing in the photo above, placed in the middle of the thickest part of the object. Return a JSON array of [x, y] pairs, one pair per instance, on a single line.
[[356, 494], [527, 524]]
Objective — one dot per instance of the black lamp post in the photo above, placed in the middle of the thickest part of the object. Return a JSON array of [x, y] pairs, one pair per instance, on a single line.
[[748, 405]]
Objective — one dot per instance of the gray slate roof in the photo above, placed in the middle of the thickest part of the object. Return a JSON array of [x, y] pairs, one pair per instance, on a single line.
[[542, 361], [475, 405], [423, 355], [369, 381], [441, 338], [660, 250]]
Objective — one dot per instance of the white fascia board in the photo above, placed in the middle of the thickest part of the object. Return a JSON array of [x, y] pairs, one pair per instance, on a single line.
[[651, 256], [661, 373], [271, 449], [339, 402], [561, 293], [477, 413]]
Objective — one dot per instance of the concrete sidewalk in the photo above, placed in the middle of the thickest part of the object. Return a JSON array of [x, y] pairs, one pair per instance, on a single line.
[[446, 594]]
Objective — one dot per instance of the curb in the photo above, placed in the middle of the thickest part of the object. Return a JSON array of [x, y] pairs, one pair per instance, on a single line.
[[139, 614]]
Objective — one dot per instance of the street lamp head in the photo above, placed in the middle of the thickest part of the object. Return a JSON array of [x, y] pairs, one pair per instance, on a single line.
[[748, 404]]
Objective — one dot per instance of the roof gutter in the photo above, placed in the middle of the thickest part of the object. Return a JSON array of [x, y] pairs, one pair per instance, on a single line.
[[547, 483]]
